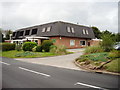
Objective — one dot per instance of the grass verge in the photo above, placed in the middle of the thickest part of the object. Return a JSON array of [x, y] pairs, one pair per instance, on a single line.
[[27, 54]]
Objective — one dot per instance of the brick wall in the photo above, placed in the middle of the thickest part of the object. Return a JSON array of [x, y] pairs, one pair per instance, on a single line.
[[66, 41]]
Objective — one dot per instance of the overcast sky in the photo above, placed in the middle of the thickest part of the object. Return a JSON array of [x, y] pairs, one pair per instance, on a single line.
[[16, 15]]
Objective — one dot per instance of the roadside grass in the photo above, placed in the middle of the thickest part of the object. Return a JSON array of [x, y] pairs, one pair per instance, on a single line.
[[113, 66], [95, 60], [27, 54]]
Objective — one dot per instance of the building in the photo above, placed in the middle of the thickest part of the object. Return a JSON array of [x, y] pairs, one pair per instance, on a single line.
[[61, 33]]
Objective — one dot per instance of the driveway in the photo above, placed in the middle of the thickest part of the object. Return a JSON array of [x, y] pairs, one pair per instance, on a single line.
[[64, 61]]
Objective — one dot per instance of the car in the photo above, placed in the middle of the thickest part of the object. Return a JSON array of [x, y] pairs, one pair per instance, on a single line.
[[117, 46]]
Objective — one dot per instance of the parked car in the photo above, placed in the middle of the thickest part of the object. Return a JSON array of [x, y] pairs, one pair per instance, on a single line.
[[117, 46]]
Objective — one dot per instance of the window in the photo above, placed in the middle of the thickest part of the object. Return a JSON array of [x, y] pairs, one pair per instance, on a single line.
[[83, 31], [72, 42], [43, 30], [34, 31], [72, 30], [82, 43], [68, 29], [27, 32], [86, 31], [48, 29], [21, 33], [14, 34]]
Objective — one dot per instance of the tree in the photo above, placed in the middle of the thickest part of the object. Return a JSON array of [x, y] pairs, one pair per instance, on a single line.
[[97, 32], [8, 32], [1, 36], [117, 37], [107, 42], [106, 32]]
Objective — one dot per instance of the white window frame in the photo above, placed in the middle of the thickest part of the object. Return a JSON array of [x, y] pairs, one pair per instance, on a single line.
[[81, 41], [87, 32], [68, 29], [72, 42], [43, 30], [48, 29], [83, 31], [73, 31]]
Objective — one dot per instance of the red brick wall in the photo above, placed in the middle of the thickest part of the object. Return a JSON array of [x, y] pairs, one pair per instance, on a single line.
[[66, 41]]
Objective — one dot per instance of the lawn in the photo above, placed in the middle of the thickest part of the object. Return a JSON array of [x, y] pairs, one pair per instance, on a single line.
[[27, 54]]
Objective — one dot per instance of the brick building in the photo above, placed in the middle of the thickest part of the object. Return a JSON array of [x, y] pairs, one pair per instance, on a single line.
[[62, 33]]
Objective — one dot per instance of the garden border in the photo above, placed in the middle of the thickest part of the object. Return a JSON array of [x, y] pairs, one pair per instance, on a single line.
[[95, 71]]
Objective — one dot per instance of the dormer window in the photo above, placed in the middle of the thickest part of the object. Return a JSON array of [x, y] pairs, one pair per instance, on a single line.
[[21, 33], [87, 32], [83, 31], [27, 32], [43, 30], [48, 29], [68, 29], [73, 31], [14, 33], [34, 31]]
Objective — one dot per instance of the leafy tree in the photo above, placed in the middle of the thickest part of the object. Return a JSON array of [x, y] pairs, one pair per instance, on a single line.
[[1, 36], [107, 42], [8, 32], [97, 32], [106, 32], [117, 37]]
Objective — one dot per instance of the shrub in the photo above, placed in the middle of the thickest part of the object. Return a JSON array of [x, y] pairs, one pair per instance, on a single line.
[[58, 49], [27, 46], [18, 47], [46, 45], [39, 48], [34, 49], [114, 54], [93, 49], [7, 46], [107, 42]]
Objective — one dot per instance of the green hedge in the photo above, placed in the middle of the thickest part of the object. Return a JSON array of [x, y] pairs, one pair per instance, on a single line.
[[28, 46], [46, 45], [7, 46], [39, 48]]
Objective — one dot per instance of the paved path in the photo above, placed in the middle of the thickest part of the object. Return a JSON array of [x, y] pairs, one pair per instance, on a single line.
[[64, 61]]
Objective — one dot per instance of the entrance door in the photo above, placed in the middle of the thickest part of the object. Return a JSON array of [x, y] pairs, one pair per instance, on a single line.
[[88, 43]]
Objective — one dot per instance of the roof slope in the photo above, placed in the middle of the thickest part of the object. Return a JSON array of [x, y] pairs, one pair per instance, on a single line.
[[59, 28]]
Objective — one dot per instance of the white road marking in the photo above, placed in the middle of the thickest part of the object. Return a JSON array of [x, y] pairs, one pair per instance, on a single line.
[[35, 72], [4, 63], [78, 83]]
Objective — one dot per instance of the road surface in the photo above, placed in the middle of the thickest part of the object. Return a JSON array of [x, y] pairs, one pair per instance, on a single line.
[[18, 74]]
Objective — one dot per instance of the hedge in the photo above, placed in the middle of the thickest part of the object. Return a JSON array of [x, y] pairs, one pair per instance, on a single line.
[[27, 46], [7, 46], [46, 45]]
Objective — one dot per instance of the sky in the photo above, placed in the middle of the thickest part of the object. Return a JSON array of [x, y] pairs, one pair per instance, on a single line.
[[17, 14]]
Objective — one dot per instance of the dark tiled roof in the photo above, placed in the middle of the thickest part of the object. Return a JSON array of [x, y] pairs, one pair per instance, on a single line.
[[59, 28]]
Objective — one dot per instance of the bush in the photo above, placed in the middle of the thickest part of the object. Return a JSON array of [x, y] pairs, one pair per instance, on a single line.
[[27, 46], [93, 49], [7, 46], [58, 49], [39, 48], [34, 49], [18, 47], [114, 54], [46, 45], [107, 42]]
